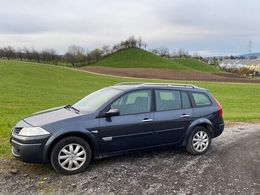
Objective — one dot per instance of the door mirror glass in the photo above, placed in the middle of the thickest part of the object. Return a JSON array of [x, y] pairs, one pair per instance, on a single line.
[[112, 112]]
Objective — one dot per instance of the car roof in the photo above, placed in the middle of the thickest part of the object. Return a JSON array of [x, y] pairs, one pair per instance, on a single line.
[[128, 86]]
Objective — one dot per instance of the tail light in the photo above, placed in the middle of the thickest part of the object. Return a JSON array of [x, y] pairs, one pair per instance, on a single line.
[[220, 111]]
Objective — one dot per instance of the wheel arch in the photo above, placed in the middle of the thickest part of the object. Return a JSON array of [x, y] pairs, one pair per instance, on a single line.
[[204, 122], [54, 139]]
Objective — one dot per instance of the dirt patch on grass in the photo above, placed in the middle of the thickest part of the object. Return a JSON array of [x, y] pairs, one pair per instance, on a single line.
[[170, 74]]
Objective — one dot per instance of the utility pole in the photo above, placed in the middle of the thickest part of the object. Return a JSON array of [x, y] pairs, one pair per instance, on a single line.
[[250, 46]]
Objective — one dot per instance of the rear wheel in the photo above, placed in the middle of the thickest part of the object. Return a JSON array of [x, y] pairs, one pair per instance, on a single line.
[[199, 141], [71, 155]]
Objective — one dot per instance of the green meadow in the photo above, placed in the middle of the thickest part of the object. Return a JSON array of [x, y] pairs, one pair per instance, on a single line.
[[29, 87]]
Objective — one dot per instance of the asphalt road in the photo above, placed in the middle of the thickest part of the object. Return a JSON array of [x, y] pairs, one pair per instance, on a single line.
[[231, 166]]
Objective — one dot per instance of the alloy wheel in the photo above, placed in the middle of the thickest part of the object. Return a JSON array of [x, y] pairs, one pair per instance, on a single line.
[[72, 156], [200, 141]]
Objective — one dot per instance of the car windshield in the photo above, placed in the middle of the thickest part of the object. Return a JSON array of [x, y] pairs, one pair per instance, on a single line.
[[94, 101]]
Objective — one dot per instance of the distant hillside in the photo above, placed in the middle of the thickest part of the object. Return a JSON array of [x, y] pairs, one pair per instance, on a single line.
[[251, 55], [138, 58]]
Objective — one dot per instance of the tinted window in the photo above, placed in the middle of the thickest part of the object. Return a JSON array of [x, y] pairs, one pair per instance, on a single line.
[[185, 100], [134, 102], [201, 99], [167, 100]]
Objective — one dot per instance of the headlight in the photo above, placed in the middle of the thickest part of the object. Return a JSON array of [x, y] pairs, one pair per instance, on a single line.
[[33, 131]]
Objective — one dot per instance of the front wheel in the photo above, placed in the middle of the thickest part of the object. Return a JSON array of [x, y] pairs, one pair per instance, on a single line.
[[199, 141], [71, 155]]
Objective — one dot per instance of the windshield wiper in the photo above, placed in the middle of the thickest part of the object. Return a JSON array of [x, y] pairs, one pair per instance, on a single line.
[[71, 107]]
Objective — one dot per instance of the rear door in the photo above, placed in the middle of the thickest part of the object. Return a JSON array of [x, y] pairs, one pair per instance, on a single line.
[[133, 128], [172, 117]]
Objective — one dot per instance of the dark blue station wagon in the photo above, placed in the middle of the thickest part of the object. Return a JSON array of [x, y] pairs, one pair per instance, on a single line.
[[118, 119]]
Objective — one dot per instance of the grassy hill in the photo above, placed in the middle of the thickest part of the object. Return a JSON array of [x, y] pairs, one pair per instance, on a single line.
[[139, 58], [29, 87]]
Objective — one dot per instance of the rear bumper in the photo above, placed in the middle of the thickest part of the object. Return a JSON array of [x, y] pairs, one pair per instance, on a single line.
[[28, 149], [219, 129]]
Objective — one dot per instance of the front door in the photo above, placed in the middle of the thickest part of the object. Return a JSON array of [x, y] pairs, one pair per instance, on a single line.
[[133, 128]]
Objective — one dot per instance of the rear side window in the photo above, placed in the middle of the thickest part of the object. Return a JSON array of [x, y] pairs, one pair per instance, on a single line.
[[201, 99], [167, 100]]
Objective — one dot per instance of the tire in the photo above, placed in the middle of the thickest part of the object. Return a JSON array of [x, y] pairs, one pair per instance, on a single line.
[[75, 151], [199, 141]]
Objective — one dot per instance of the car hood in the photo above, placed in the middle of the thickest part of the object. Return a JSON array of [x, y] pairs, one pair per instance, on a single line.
[[50, 116]]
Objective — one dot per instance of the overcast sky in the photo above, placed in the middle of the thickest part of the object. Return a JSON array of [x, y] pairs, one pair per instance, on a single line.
[[210, 27]]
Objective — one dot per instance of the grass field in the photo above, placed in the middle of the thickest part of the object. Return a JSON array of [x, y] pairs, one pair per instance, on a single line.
[[138, 58], [29, 87]]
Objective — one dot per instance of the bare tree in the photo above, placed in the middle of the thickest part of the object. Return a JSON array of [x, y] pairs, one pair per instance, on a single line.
[[140, 42], [20, 54], [96, 54], [35, 55], [132, 42], [115, 48], [196, 56], [182, 53], [145, 46], [164, 52], [75, 54], [106, 50], [28, 54], [8, 52], [2, 53]]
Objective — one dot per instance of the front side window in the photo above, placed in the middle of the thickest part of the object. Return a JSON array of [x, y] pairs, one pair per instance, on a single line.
[[201, 99], [168, 100], [134, 102]]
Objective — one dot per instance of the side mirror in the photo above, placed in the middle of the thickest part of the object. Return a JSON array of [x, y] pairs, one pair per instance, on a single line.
[[112, 112]]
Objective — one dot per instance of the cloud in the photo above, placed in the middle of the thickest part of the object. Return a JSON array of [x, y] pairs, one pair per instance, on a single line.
[[212, 25]]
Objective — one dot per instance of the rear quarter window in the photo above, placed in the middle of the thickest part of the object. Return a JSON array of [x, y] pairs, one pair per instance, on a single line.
[[201, 99]]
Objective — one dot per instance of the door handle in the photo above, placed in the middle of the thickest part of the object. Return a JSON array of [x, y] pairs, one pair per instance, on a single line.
[[147, 120], [185, 115]]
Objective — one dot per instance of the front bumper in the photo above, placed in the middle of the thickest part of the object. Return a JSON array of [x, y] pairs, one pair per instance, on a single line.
[[28, 149]]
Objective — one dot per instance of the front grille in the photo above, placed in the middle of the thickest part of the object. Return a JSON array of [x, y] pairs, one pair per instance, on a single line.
[[17, 130]]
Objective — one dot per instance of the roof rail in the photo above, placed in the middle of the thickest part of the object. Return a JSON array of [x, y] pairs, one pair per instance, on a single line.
[[165, 84], [128, 83]]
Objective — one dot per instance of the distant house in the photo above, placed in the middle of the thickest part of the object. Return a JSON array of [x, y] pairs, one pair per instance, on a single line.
[[252, 64]]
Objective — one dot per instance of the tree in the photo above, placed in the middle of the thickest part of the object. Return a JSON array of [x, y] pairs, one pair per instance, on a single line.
[[8, 52], [182, 53], [196, 56], [105, 50], [132, 42], [35, 55], [140, 42], [27, 53], [96, 55], [20, 54], [75, 54], [1, 53], [164, 52]]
